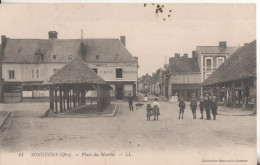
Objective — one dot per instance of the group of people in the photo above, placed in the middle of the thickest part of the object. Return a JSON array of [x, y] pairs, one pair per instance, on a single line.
[[153, 109], [207, 104]]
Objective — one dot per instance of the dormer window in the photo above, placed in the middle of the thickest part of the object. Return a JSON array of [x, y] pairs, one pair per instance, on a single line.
[[70, 57], [54, 57], [97, 56], [39, 56]]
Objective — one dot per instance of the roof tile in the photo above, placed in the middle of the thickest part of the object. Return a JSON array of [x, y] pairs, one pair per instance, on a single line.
[[240, 65]]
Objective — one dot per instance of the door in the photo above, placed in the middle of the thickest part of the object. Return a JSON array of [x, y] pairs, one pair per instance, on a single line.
[[119, 91]]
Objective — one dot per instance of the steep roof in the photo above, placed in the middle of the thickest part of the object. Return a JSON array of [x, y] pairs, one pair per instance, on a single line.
[[23, 50], [183, 65], [240, 65], [76, 71]]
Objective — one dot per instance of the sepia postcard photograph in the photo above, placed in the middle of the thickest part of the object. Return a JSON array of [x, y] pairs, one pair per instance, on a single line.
[[128, 83]]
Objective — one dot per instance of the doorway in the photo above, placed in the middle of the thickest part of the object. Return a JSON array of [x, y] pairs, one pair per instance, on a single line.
[[119, 91]]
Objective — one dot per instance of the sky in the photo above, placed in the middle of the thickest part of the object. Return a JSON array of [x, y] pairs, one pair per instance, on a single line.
[[148, 37]]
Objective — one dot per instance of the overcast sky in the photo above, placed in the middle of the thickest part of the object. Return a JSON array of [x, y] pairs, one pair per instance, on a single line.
[[147, 35]]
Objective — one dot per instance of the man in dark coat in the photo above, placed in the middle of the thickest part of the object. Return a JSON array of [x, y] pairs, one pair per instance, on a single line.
[[182, 107], [214, 107], [130, 101], [193, 106], [202, 105], [207, 104]]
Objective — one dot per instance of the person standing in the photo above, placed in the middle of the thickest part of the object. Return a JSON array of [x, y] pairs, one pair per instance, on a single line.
[[207, 104], [193, 105], [130, 101], [182, 107], [149, 111], [156, 109], [214, 107], [201, 107]]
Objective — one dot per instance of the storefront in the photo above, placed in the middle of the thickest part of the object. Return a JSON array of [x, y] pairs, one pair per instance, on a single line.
[[186, 90]]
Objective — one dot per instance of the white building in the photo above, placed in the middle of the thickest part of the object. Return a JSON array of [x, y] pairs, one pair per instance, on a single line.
[[26, 63]]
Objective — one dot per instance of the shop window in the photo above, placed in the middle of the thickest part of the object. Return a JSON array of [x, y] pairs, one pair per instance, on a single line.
[[119, 73], [11, 74]]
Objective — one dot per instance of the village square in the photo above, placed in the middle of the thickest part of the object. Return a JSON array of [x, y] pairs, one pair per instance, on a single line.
[[85, 95]]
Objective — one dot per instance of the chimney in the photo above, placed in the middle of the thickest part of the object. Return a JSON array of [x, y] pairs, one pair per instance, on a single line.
[[245, 44], [136, 58], [185, 55], [3, 41], [194, 55], [177, 55], [223, 44], [53, 35], [122, 39]]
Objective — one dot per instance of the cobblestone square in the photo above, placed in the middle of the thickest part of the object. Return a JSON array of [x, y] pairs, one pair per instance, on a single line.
[[229, 136]]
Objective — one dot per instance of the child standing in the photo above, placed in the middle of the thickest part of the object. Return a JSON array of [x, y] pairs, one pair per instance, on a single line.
[[193, 105], [182, 107], [214, 107], [149, 111]]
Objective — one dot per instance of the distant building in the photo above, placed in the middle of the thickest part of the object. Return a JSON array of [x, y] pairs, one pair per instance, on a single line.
[[165, 80], [144, 83], [234, 82], [184, 76], [211, 57], [26, 63]]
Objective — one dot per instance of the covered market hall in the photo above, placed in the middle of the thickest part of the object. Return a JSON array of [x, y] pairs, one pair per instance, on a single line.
[[234, 82], [69, 85]]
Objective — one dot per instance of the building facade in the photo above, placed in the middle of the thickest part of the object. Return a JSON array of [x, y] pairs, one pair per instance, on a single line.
[[184, 76], [211, 57], [26, 63], [234, 82], [144, 83]]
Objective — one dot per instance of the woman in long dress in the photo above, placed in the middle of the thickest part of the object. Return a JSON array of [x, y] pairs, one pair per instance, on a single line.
[[156, 108]]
